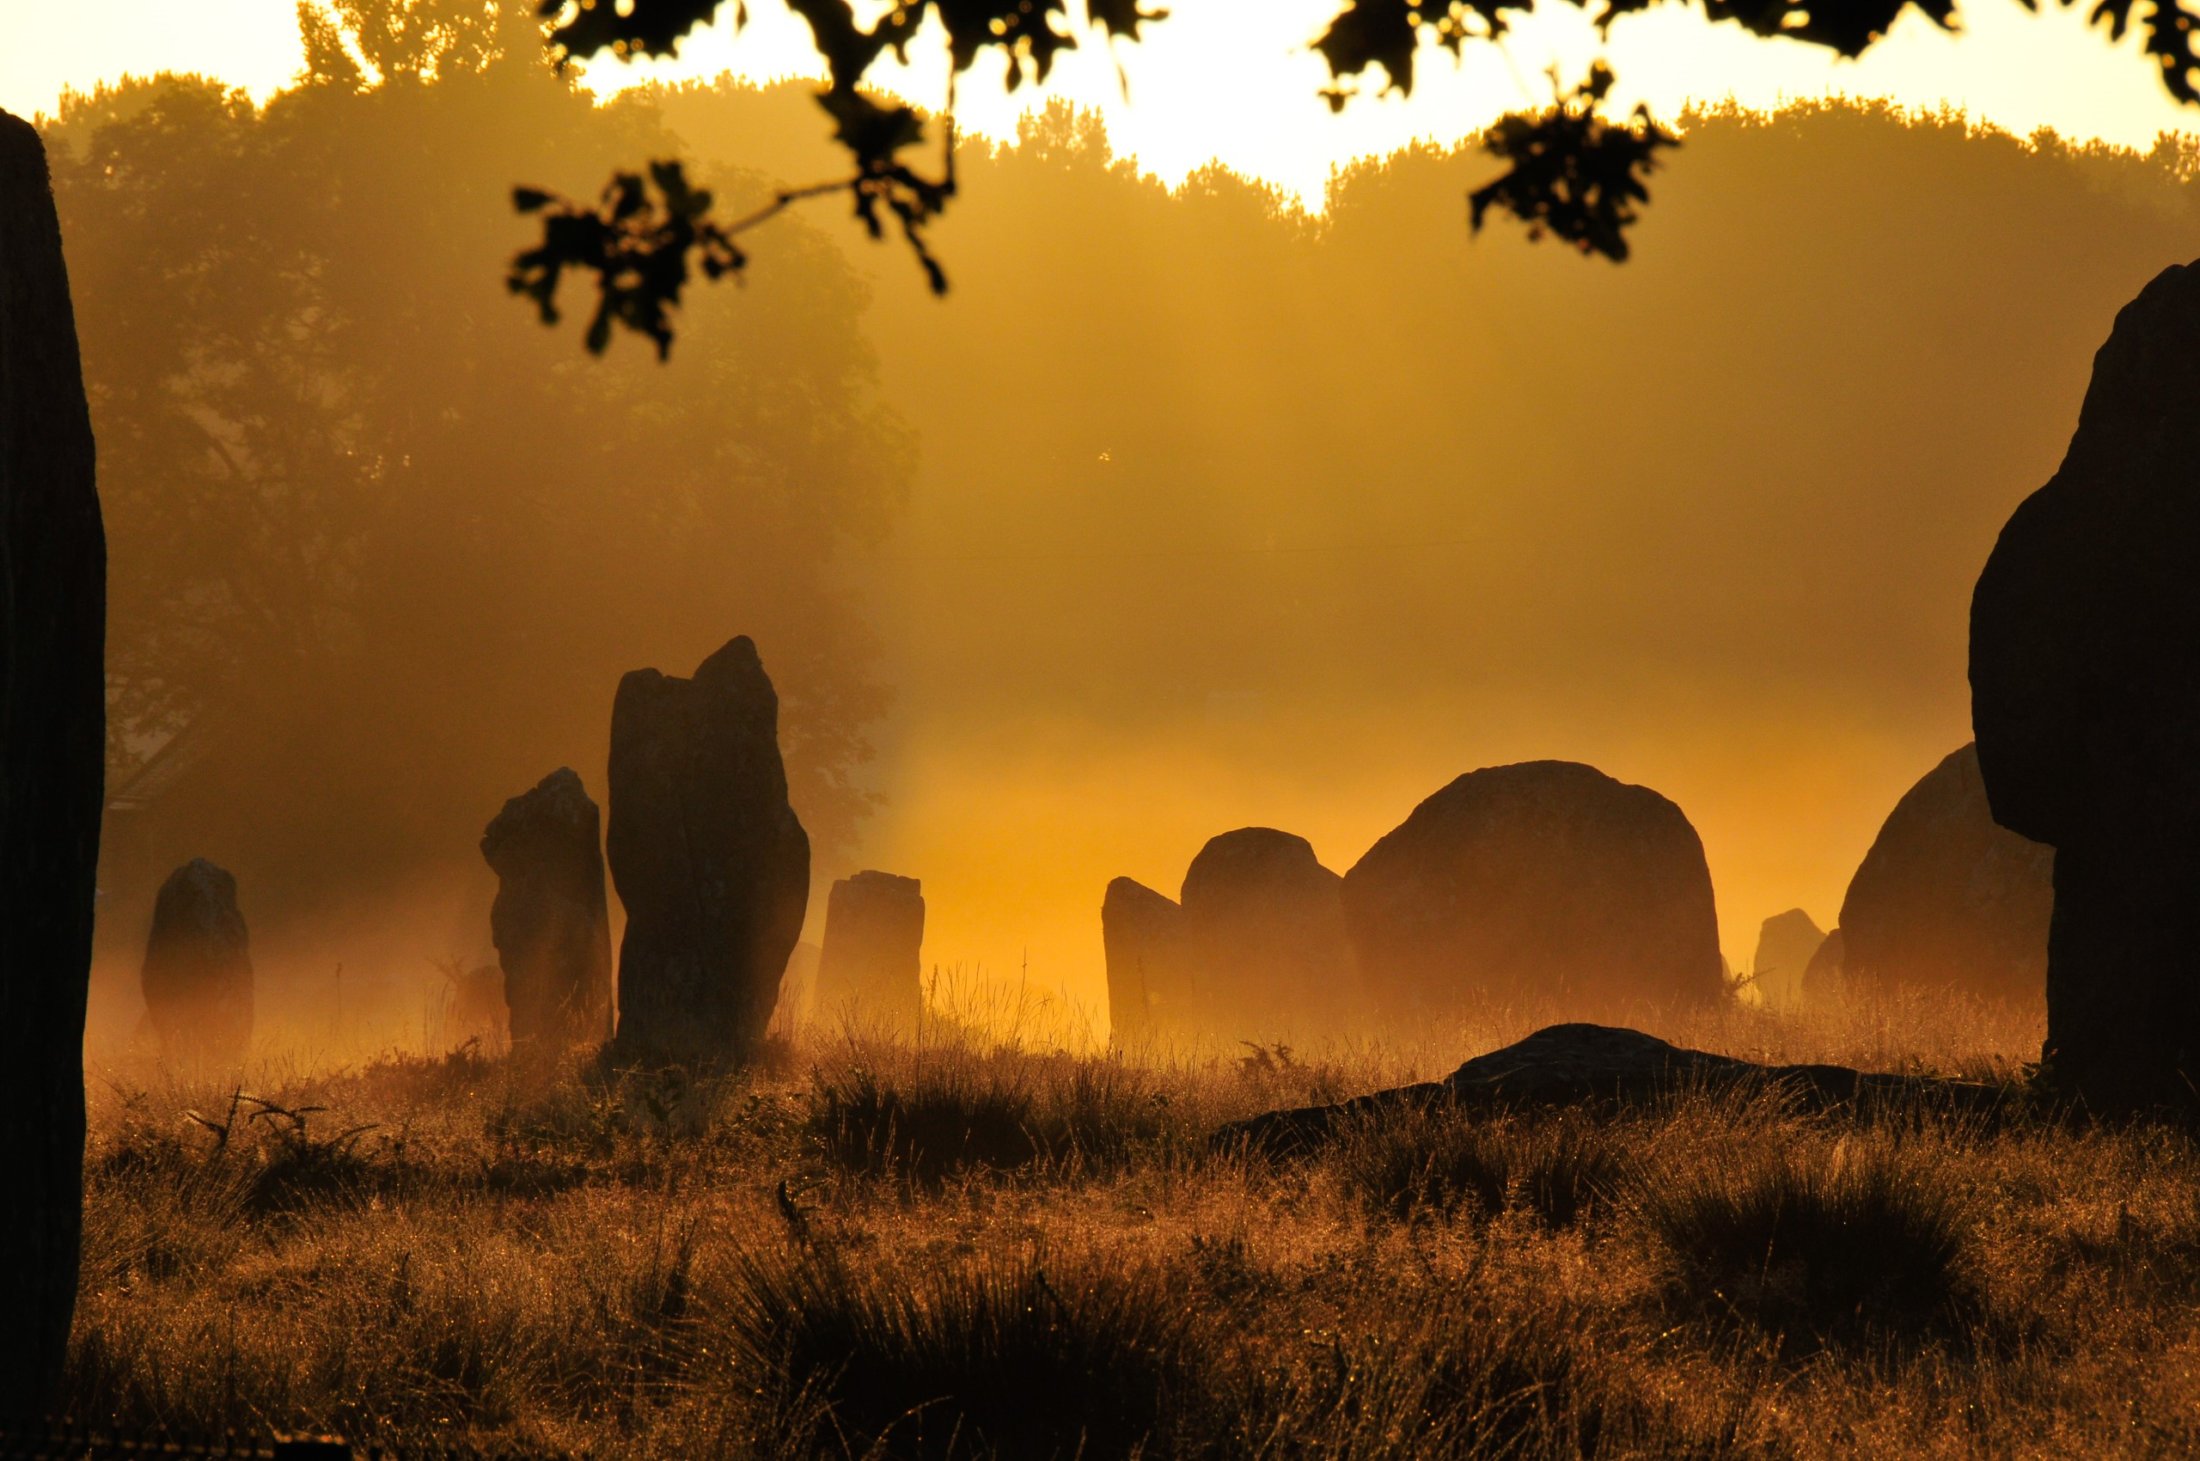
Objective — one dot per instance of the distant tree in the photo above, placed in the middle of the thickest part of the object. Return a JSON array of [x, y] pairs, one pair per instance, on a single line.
[[353, 578], [1575, 174]]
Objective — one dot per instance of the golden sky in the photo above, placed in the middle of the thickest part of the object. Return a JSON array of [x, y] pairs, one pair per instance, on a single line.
[[2020, 71]]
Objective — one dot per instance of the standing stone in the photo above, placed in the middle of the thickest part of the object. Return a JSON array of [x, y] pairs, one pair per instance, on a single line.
[[2085, 697], [1142, 936], [197, 976], [1264, 940], [707, 856], [549, 921], [1947, 899], [1786, 944], [870, 970], [53, 706], [1546, 879]]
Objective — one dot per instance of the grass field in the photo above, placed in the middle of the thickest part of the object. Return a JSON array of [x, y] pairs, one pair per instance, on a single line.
[[866, 1249]]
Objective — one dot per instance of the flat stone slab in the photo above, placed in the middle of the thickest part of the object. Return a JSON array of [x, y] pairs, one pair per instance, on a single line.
[[1567, 1065]]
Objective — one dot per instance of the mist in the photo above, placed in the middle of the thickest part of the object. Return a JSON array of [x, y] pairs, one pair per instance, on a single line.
[[1183, 511]]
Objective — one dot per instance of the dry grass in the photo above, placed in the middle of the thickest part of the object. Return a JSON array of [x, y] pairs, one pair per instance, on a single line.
[[868, 1250]]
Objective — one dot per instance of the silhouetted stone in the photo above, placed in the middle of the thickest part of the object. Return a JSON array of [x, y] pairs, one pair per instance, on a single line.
[[870, 969], [707, 855], [550, 920], [1563, 1065], [1264, 943], [1823, 977], [1786, 943], [1142, 936], [1946, 898], [2085, 697], [197, 975], [1546, 878], [53, 707]]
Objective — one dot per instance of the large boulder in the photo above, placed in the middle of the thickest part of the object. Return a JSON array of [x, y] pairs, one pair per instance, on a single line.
[[550, 921], [197, 975], [1264, 942], [1142, 938], [706, 854], [1786, 943], [870, 971], [1945, 898], [53, 707], [2085, 698], [1546, 879]]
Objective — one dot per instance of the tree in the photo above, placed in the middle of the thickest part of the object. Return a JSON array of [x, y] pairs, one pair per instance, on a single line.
[[52, 569], [356, 583], [1575, 174]]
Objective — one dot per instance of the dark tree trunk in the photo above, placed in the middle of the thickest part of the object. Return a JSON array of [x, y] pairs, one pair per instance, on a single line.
[[53, 581]]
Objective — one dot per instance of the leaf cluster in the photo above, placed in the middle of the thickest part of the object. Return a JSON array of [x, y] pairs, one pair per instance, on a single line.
[[1573, 174]]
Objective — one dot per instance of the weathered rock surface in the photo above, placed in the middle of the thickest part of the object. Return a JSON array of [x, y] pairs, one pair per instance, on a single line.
[[1264, 940], [870, 971], [197, 975], [1546, 878], [1142, 936], [1946, 898], [53, 707], [1786, 943], [1599, 1064], [550, 921], [706, 854], [2085, 698]]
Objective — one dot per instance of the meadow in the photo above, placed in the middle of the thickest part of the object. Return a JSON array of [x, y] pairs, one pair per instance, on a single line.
[[963, 1248]]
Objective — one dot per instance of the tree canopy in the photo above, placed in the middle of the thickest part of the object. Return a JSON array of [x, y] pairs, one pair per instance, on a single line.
[[1574, 173]]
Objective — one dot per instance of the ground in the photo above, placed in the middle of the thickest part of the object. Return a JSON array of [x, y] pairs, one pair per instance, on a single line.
[[877, 1249]]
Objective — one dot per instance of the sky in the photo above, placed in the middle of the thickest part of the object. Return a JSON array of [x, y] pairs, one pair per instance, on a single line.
[[2017, 70]]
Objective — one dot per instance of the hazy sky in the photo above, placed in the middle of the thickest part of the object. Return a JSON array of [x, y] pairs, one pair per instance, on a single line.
[[2021, 71]]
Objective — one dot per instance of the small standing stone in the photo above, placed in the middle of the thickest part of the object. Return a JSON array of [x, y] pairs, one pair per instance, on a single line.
[[871, 970], [197, 975], [550, 920]]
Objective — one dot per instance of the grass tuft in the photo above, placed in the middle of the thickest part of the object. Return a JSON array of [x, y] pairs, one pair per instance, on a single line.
[[1821, 1242]]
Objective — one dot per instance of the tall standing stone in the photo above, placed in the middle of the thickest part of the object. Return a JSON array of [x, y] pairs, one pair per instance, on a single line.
[[53, 584], [197, 975], [706, 854], [1546, 879], [550, 921], [1142, 937], [870, 969], [2085, 697]]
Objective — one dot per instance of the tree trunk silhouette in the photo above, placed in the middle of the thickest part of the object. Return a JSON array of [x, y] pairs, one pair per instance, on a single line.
[[53, 580]]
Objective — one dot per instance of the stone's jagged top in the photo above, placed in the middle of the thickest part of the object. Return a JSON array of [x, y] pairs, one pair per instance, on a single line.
[[1541, 876], [560, 797], [873, 881], [735, 666], [1579, 1064]]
